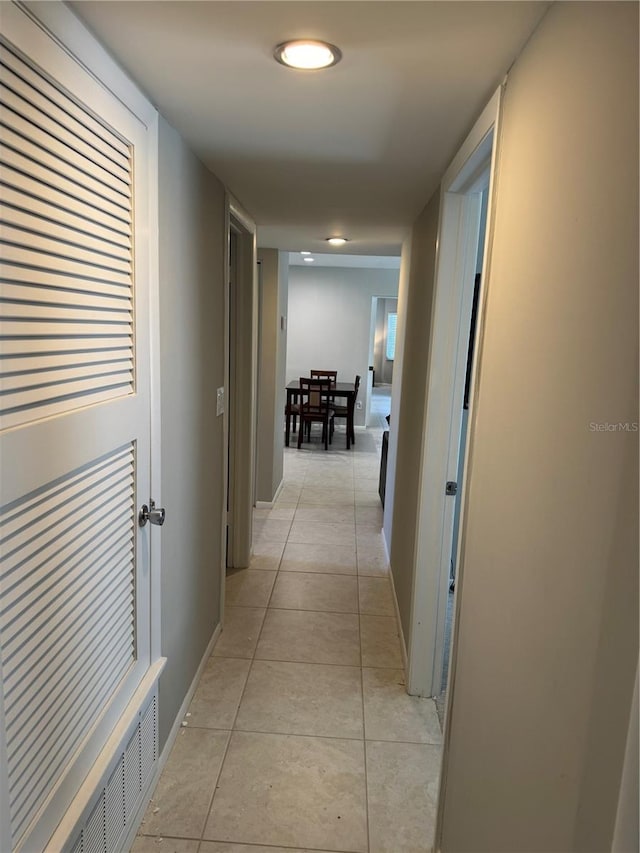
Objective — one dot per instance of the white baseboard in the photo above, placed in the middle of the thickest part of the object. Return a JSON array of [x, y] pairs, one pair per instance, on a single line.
[[269, 504], [403, 645], [173, 734], [177, 723]]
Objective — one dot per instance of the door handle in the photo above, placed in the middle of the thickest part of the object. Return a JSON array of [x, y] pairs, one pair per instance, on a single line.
[[151, 513]]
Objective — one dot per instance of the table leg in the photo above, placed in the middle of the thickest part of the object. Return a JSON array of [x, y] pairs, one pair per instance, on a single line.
[[287, 422]]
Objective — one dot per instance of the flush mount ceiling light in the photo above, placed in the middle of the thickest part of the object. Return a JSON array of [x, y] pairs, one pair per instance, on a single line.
[[307, 54], [337, 241], [305, 253], [309, 260]]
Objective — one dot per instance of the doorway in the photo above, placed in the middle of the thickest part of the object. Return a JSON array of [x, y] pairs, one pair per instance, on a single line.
[[241, 328], [382, 339], [440, 698], [466, 181]]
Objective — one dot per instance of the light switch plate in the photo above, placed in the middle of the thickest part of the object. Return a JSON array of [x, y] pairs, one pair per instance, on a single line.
[[220, 401]]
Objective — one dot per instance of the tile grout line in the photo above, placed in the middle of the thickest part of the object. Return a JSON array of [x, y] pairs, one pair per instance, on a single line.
[[364, 724], [365, 740], [237, 711]]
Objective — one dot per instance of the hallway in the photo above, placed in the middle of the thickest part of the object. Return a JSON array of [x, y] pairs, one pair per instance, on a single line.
[[300, 735]]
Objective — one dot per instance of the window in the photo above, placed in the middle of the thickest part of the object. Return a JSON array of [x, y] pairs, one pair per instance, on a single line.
[[392, 321]]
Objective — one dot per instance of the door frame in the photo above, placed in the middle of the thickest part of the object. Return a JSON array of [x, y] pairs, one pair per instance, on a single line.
[[239, 433], [458, 232]]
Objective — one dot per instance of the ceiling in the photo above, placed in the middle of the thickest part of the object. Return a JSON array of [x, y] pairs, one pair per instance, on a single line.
[[356, 149], [384, 262]]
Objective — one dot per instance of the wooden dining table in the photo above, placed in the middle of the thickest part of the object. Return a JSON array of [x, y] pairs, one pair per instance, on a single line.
[[343, 390]]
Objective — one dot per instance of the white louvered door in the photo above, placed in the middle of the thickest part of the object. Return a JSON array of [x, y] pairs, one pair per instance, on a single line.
[[74, 426]]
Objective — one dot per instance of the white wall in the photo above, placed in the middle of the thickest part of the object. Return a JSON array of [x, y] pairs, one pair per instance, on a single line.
[[191, 224], [329, 321], [408, 396], [546, 653], [396, 398], [271, 372]]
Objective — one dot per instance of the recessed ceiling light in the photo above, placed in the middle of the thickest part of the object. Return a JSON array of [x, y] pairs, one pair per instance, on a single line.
[[309, 260], [337, 241], [305, 253], [307, 54]]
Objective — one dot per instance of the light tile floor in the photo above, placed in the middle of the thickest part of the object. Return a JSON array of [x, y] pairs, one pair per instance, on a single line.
[[300, 736]]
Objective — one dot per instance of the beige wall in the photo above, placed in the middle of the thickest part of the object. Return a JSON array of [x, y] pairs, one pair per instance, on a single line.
[[548, 635], [405, 440], [192, 227], [271, 372]]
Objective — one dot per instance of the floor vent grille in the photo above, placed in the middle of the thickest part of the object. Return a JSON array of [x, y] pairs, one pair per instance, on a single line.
[[118, 800]]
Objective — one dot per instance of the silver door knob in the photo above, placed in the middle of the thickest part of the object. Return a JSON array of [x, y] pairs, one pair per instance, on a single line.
[[151, 513]]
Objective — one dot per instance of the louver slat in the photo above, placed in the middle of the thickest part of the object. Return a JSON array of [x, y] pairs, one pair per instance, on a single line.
[[39, 259], [22, 577], [88, 289], [65, 179], [46, 244], [26, 153], [79, 135], [82, 228], [67, 623], [66, 288], [35, 224], [30, 188], [31, 795], [25, 295], [16, 66]]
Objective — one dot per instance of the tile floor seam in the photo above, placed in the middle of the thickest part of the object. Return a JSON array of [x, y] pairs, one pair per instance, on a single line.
[[235, 716], [319, 663], [364, 732], [170, 837], [306, 574], [296, 848], [309, 610], [248, 731], [231, 730]]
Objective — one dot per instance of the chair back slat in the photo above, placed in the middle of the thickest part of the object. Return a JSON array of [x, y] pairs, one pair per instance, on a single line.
[[331, 375], [314, 394]]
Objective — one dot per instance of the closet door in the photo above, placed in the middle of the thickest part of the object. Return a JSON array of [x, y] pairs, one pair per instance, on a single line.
[[74, 424]]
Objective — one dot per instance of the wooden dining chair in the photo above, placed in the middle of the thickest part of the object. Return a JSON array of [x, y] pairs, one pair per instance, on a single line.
[[343, 412], [331, 375], [292, 411], [315, 408]]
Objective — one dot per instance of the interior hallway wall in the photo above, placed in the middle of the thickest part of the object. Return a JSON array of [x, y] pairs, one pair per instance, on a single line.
[[273, 284], [330, 320], [192, 229], [409, 390], [548, 633]]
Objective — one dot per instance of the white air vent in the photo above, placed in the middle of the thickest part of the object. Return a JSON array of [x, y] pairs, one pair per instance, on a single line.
[[118, 801]]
